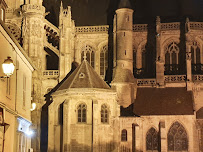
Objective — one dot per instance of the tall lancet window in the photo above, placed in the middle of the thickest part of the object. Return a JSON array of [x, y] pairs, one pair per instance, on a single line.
[[103, 60], [196, 59], [152, 140], [104, 114], [177, 138], [89, 52], [171, 58], [82, 113]]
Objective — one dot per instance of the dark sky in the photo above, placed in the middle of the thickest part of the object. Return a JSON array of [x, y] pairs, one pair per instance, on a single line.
[[100, 12]]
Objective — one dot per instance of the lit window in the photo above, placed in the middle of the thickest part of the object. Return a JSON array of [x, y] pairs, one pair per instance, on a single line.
[[124, 135], [103, 60], [104, 114], [82, 110], [90, 55]]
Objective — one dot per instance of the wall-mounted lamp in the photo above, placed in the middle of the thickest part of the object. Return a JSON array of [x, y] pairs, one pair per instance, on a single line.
[[8, 67], [33, 106]]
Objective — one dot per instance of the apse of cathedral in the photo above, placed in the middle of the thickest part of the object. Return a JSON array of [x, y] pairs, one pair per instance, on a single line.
[[116, 87]]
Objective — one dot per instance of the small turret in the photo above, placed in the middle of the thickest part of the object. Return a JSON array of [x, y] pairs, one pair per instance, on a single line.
[[123, 79], [67, 33]]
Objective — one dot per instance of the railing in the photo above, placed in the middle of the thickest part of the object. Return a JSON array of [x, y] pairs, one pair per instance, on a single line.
[[175, 78], [139, 27], [51, 73], [170, 26], [197, 77], [171, 69], [92, 29], [146, 82], [197, 68], [196, 25]]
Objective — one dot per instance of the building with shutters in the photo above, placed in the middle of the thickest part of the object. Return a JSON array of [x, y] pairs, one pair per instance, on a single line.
[[118, 87]]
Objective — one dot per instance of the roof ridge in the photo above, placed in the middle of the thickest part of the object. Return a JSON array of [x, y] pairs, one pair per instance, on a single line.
[[89, 73], [75, 75]]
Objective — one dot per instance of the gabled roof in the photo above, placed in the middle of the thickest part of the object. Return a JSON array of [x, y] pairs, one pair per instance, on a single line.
[[84, 76], [124, 4], [163, 101]]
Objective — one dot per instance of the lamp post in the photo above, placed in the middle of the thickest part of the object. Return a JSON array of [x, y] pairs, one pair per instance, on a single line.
[[8, 67]]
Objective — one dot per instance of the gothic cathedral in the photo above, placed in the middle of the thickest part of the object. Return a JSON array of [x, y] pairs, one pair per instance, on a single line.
[[123, 87]]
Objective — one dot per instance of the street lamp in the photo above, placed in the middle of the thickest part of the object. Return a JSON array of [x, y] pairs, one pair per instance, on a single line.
[[8, 67]]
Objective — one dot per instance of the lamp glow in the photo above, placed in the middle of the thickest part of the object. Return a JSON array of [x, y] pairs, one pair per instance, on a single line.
[[33, 106], [8, 67]]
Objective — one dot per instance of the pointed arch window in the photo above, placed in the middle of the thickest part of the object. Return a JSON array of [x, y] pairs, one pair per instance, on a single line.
[[171, 58], [90, 55], [124, 135], [82, 113], [152, 140], [177, 138], [103, 60], [104, 114], [196, 58]]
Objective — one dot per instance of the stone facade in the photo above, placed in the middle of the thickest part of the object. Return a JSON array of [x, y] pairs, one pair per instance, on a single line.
[[166, 56]]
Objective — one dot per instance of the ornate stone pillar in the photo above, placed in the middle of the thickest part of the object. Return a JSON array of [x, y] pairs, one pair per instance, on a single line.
[[159, 56], [163, 136], [188, 66]]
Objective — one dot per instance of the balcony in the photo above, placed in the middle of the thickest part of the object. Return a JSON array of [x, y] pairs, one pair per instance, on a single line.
[[197, 69]]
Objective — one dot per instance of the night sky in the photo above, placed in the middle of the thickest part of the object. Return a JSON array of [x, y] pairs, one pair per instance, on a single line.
[[100, 12]]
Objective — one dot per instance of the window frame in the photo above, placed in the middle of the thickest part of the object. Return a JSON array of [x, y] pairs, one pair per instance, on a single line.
[[124, 135], [83, 108]]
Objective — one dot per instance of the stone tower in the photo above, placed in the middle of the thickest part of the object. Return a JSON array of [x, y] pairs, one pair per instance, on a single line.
[[33, 34], [123, 79], [67, 33]]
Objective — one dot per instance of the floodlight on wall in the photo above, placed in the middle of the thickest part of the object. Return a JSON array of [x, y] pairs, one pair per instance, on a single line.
[[8, 67]]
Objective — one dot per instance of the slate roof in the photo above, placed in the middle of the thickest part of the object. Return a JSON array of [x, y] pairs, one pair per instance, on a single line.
[[199, 113], [83, 76], [163, 101]]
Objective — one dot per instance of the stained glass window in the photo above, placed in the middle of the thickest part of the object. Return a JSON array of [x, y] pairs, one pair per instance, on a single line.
[[82, 113], [124, 135], [90, 55], [104, 114], [152, 140], [177, 138], [103, 60]]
